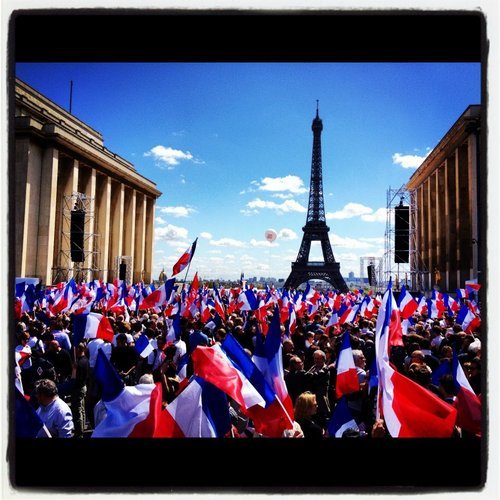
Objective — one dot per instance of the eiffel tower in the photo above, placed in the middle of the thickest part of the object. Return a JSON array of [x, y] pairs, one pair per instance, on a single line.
[[316, 228]]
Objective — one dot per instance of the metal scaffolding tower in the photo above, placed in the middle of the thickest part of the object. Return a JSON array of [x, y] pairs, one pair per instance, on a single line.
[[378, 263], [410, 274], [79, 271]]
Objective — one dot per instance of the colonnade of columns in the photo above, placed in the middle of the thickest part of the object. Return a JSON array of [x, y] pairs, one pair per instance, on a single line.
[[447, 219], [118, 222]]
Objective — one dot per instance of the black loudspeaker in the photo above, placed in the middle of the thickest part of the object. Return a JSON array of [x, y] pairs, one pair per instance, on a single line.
[[402, 228], [123, 272], [77, 231], [371, 275]]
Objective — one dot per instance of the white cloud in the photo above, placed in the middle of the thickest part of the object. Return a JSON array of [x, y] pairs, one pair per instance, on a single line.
[[283, 196], [280, 208], [375, 241], [159, 220], [168, 155], [171, 233], [248, 213], [262, 243], [177, 211], [227, 242], [379, 215], [207, 236], [339, 241], [290, 183], [287, 234], [349, 211], [408, 161]]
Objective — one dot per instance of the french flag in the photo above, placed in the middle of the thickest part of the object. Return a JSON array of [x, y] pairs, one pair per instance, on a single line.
[[462, 293], [347, 377], [467, 319], [273, 366], [27, 421], [65, 299], [91, 326], [199, 411], [143, 346], [341, 419], [213, 365], [131, 411], [219, 306], [349, 315], [184, 259], [247, 301], [159, 296], [422, 305], [468, 405], [409, 409], [406, 303]]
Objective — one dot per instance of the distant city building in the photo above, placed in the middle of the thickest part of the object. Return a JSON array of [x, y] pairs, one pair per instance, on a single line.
[[80, 210], [351, 275], [448, 184]]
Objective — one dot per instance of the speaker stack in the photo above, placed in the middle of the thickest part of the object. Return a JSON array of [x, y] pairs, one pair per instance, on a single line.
[[402, 232], [77, 232]]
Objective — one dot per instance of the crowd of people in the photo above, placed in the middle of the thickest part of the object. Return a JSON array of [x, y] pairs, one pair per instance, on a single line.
[[57, 377]]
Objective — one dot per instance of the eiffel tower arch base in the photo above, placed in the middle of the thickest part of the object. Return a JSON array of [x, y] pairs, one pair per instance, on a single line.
[[330, 273]]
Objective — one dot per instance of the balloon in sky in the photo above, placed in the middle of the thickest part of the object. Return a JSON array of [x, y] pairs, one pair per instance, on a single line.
[[270, 235]]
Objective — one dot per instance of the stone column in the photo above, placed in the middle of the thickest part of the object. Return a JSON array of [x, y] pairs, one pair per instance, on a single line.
[[47, 215], [129, 226], [442, 223], [148, 252], [26, 176], [465, 232], [103, 222], [451, 217], [116, 242], [90, 190], [139, 236], [472, 160]]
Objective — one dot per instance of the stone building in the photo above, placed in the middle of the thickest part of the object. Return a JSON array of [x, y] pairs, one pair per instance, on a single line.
[[447, 221], [62, 164]]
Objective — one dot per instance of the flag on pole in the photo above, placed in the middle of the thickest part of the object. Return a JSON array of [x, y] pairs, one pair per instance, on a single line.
[[341, 419], [347, 377], [185, 259], [409, 410]]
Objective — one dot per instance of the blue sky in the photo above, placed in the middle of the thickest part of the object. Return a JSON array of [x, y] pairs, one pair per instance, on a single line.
[[230, 145]]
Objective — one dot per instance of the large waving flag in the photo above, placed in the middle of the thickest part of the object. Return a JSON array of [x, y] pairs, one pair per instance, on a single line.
[[184, 259], [274, 373], [159, 296], [247, 301], [200, 410], [347, 377], [65, 298], [28, 423], [213, 365], [468, 405], [341, 419], [274, 418], [406, 303], [467, 319], [409, 409], [131, 411], [91, 326]]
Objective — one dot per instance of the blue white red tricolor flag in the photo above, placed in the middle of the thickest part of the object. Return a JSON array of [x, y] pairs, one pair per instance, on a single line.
[[347, 377], [341, 419], [184, 259], [409, 410]]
